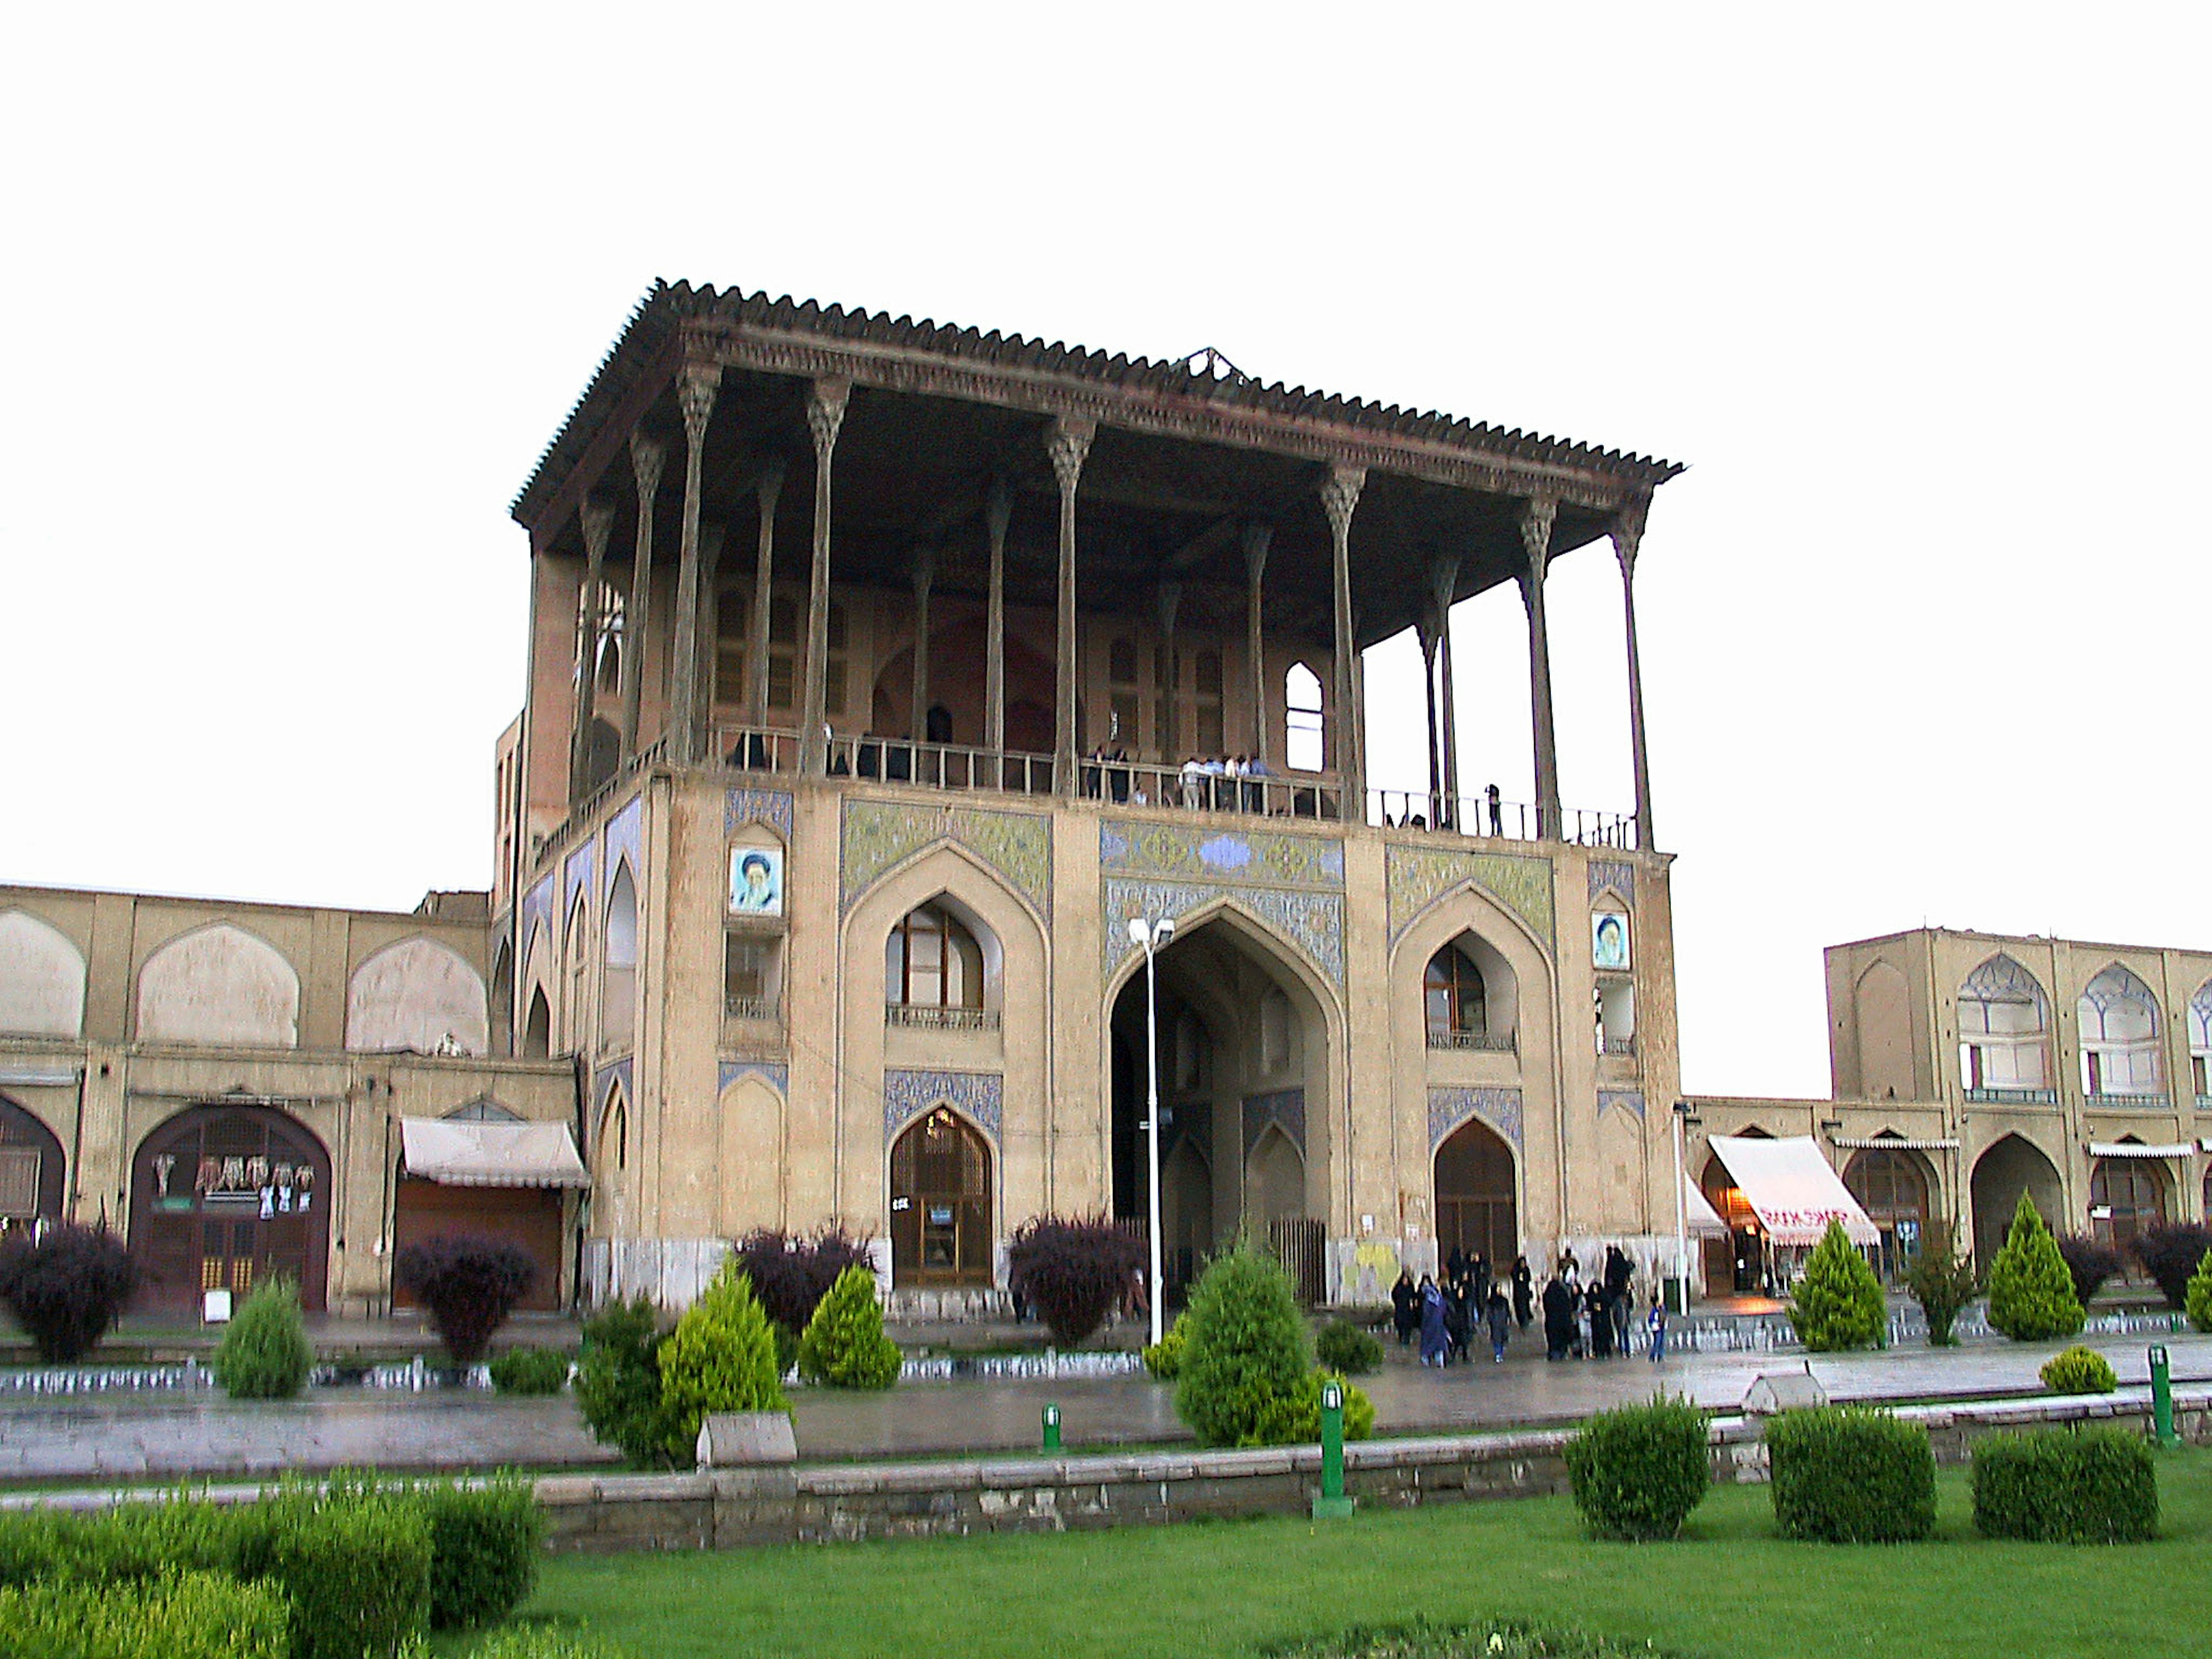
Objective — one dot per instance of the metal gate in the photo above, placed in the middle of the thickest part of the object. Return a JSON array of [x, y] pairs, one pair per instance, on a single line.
[[1297, 1241]]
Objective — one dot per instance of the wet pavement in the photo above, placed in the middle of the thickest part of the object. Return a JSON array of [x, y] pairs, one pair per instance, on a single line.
[[140, 1436]]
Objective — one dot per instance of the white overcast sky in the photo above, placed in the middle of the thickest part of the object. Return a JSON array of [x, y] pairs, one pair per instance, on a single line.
[[293, 298]]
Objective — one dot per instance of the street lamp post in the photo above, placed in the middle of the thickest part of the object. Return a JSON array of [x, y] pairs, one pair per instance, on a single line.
[[1153, 937], [1682, 1118]]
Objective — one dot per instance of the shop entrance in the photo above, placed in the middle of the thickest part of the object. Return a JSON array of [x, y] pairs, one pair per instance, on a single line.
[[222, 1198], [940, 1204]]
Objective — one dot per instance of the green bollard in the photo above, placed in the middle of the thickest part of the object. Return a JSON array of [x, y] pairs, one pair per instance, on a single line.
[[1052, 1428], [1332, 1504], [2162, 1397]]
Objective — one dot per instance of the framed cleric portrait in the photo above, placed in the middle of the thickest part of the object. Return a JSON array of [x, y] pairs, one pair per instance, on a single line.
[[755, 881], [1609, 944]]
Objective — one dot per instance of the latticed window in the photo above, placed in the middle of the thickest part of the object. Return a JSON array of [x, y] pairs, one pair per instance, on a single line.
[[2127, 1195], [2118, 1017], [2003, 1028], [932, 961], [1454, 997]]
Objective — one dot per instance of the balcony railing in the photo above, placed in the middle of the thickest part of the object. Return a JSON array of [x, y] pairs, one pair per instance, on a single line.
[[2014, 1097], [1509, 820], [1490, 1043], [2124, 1102], [1617, 1045], [754, 1008], [916, 1016]]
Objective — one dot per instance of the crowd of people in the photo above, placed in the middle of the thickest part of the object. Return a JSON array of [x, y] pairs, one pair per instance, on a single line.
[[1595, 1318]]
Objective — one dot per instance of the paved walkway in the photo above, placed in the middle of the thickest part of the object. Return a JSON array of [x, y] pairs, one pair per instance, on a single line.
[[126, 1438]]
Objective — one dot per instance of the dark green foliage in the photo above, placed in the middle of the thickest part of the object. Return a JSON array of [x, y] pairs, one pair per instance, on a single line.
[[2198, 1301], [531, 1370], [485, 1540], [467, 1285], [1164, 1358], [791, 1274], [1074, 1272], [719, 1358], [1349, 1348], [1638, 1471], [1837, 1302], [1244, 1349], [2090, 1261], [2170, 1253], [2078, 1370], [618, 1383], [1941, 1282], [2066, 1486], [264, 1353], [1505, 1639], [1844, 1474], [66, 1290], [845, 1346], [198, 1615], [2031, 1292], [1294, 1420]]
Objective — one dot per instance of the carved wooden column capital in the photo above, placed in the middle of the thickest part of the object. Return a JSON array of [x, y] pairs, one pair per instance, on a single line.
[[597, 516], [1257, 539], [1068, 444], [1340, 494], [768, 483], [1627, 533], [647, 456], [695, 386], [825, 413], [1537, 518], [998, 513]]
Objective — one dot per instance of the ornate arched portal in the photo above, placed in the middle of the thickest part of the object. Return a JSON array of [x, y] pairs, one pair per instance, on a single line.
[[1892, 1185], [222, 1197], [2009, 1168], [1476, 1211], [940, 1204], [32, 1167]]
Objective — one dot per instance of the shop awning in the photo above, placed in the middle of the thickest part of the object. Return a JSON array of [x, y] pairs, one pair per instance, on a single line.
[[1896, 1143], [458, 1153], [1704, 1220], [1791, 1188], [2136, 1149]]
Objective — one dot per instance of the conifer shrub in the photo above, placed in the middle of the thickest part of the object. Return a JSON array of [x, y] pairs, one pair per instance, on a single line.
[[467, 1286], [2066, 1486], [1164, 1358], [1845, 1474], [1638, 1471], [1837, 1302], [2197, 1301], [485, 1539], [1347, 1348], [264, 1353], [2090, 1261], [1942, 1282], [2031, 1292], [618, 1383], [791, 1273], [2170, 1252], [2078, 1370], [1244, 1350], [66, 1289], [195, 1615], [1073, 1271], [844, 1346], [1294, 1420], [531, 1370], [719, 1358], [355, 1566]]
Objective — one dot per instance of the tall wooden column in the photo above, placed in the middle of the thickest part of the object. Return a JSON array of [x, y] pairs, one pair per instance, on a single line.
[[710, 634], [1536, 541], [599, 519], [647, 457], [925, 575], [998, 513], [826, 413], [766, 490], [1444, 581], [1167, 682], [1257, 538], [695, 394], [1627, 536], [1339, 497], [1069, 445], [1426, 631]]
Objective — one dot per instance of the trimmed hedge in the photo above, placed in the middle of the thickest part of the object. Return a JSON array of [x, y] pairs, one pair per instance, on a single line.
[[1073, 1271], [1844, 1474], [1245, 1350], [1349, 1348], [485, 1541], [618, 1383], [1638, 1471], [2078, 1370], [1295, 1418], [199, 1615], [2066, 1486], [1164, 1358], [467, 1286], [531, 1370], [844, 1346], [356, 1569]]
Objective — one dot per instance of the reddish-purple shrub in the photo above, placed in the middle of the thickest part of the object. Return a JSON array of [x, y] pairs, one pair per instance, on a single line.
[[467, 1286], [2169, 1253], [791, 1274], [67, 1288], [1072, 1272], [2091, 1261]]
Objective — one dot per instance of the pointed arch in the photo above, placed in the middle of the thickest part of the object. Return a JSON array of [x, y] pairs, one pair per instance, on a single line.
[[42, 979], [2008, 1166], [2200, 1043], [618, 990], [222, 1197], [219, 984], [502, 998], [941, 1202], [33, 1173], [1896, 1185], [1305, 747], [1882, 998], [2004, 1031], [2118, 1028], [754, 1187], [1274, 1181], [417, 994], [1478, 1179], [2127, 1196], [537, 1026]]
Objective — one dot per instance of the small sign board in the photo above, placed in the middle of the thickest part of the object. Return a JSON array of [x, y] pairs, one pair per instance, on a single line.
[[214, 1307]]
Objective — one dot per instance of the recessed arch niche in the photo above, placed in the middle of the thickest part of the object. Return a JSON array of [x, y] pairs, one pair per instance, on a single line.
[[223, 1197]]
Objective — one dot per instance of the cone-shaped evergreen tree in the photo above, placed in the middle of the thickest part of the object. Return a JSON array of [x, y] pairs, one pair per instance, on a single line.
[[844, 1345], [1837, 1302], [2031, 1292]]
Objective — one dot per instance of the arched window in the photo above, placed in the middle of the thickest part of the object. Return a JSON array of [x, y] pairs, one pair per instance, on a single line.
[[940, 1204], [2119, 1035], [579, 961], [503, 1000], [1206, 698], [782, 651], [2200, 1039], [618, 1017], [1457, 1000], [538, 1027], [932, 961], [2003, 1026], [2127, 1196], [1891, 1187], [1121, 694], [1303, 749]]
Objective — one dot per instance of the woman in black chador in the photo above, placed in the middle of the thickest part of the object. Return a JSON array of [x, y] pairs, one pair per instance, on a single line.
[[1558, 1319], [1406, 1306], [1524, 1293], [1600, 1320]]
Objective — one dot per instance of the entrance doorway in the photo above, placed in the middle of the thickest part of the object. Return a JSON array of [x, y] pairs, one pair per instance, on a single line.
[[1475, 1210], [940, 1204], [2011, 1167], [222, 1198], [31, 1169], [1892, 1186]]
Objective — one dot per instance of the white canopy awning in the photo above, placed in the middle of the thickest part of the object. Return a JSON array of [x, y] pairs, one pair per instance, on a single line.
[[1704, 1221], [1896, 1143], [459, 1153], [1792, 1189], [2136, 1149]]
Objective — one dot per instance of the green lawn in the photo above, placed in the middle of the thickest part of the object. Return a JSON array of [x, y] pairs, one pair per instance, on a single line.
[[1729, 1589]]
